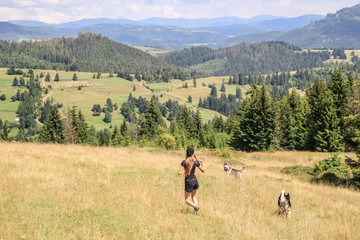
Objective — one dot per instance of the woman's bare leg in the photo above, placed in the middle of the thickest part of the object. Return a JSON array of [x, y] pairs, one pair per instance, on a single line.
[[188, 199], [194, 199]]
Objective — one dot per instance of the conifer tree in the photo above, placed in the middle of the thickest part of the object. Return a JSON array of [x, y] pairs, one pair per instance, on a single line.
[[117, 138], [223, 89], [257, 121], [107, 117], [322, 122], [47, 78], [57, 77], [5, 131], [292, 119], [340, 91], [75, 78], [152, 122], [238, 93], [53, 129], [190, 99], [15, 82], [213, 91], [125, 133]]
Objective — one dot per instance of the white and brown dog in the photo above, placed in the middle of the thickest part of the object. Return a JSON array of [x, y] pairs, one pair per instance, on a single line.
[[285, 204], [232, 171]]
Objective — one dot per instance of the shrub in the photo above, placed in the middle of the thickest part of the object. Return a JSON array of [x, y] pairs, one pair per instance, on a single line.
[[331, 171], [167, 141]]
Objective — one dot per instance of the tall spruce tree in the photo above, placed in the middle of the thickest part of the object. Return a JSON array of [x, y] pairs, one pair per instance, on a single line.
[[322, 121], [53, 129], [292, 122], [340, 91], [152, 122], [125, 133], [257, 121]]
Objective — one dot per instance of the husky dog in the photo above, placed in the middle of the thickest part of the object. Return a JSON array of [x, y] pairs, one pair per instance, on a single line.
[[285, 204], [232, 171]]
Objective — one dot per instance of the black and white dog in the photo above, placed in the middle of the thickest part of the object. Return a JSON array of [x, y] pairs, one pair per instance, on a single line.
[[285, 204], [232, 171]]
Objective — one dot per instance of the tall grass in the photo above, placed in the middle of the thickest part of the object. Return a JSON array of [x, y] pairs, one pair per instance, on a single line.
[[82, 192]]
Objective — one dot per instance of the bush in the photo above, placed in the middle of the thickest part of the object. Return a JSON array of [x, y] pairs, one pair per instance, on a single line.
[[301, 172], [167, 141], [224, 152], [331, 171]]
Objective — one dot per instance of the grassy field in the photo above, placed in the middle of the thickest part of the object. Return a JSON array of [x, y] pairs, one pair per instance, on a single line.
[[97, 91], [82, 192]]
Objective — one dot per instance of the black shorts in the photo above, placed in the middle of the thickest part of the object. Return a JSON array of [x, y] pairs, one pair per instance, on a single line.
[[192, 185]]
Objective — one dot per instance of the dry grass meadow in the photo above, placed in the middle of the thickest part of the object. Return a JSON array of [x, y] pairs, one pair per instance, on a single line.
[[82, 192]]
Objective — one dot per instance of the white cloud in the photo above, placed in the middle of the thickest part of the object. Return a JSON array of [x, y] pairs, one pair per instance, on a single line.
[[56, 11]]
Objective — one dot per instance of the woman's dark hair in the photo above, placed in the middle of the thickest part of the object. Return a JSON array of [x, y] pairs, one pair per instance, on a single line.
[[189, 161], [189, 152]]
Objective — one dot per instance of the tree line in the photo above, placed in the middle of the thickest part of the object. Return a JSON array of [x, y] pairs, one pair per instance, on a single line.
[[247, 58], [88, 52]]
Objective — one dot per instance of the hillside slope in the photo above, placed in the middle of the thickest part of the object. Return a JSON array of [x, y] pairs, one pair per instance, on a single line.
[[88, 52], [261, 57], [81, 192], [341, 29]]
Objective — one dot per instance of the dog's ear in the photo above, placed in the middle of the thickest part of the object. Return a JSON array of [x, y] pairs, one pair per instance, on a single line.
[[287, 196]]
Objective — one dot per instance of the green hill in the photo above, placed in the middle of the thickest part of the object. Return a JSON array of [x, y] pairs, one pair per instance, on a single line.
[[341, 29], [261, 57], [88, 53]]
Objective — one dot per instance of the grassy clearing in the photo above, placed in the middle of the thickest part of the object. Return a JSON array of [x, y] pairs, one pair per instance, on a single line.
[[96, 91], [81, 192]]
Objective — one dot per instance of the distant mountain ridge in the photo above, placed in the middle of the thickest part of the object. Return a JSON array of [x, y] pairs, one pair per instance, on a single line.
[[341, 29], [159, 32]]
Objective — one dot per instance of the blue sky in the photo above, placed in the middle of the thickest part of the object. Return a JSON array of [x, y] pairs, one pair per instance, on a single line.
[[57, 11]]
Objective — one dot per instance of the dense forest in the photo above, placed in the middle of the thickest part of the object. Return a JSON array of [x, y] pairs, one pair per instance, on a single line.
[[336, 30], [88, 52], [261, 57]]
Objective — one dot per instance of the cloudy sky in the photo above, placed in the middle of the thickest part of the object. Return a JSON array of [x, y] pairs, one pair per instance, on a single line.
[[58, 11]]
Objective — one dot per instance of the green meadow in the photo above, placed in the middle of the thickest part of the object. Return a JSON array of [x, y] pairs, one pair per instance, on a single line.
[[87, 91]]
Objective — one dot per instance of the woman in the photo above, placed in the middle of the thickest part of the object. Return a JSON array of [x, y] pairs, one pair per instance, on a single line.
[[191, 183]]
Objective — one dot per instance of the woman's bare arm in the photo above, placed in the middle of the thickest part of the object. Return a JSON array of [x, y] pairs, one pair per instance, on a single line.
[[181, 169], [201, 167]]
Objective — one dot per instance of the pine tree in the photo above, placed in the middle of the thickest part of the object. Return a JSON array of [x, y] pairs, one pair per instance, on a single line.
[[213, 91], [82, 128], [75, 78], [292, 122], [194, 81], [238, 93], [322, 122], [109, 105], [15, 82], [107, 117], [257, 121], [117, 138], [223, 89], [47, 78], [340, 90], [125, 133], [5, 131], [152, 122], [57, 77], [190, 99], [53, 129]]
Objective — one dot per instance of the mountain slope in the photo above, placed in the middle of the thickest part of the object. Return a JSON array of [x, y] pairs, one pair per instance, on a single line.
[[88, 52], [261, 57], [341, 29], [271, 25]]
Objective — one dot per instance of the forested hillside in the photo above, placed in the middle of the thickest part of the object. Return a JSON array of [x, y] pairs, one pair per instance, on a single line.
[[341, 29], [261, 57], [88, 52]]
